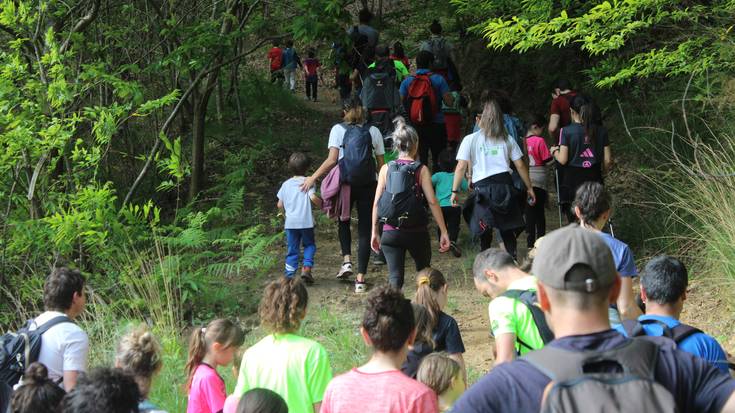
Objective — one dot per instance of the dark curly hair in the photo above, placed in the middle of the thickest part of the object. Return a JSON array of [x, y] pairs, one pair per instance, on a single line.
[[103, 390], [592, 200], [388, 319], [38, 394], [283, 305], [59, 288]]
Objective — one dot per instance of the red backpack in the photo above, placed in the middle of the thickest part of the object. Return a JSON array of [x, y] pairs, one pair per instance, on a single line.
[[422, 103]]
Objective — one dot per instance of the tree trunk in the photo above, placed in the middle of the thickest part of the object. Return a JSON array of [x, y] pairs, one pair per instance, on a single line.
[[199, 115], [220, 100]]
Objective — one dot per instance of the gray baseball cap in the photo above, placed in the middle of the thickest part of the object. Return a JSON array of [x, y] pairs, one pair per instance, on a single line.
[[574, 258]]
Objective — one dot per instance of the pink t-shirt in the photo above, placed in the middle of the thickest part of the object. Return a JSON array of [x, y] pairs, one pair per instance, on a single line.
[[207, 393], [538, 155], [387, 392]]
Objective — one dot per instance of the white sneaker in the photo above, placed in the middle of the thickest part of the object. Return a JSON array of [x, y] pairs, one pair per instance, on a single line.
[[360, 287], [345, 271]]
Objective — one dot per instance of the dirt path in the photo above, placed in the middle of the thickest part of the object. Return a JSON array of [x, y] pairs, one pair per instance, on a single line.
[[467, 306]]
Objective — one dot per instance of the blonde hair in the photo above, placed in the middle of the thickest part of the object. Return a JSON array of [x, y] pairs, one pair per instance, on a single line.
[[428, 283], [139, 354], [220, 331], [437, 371], [423, 324], [405, 138], [491, 123], [354, 112]]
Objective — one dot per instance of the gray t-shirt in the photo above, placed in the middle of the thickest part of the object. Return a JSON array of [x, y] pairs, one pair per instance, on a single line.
[[296, 203]]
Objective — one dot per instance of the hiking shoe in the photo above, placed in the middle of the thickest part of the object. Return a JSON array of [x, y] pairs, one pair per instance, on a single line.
[[378, 258], [345, 271], [455, 249], [306, 276], [360, 287]]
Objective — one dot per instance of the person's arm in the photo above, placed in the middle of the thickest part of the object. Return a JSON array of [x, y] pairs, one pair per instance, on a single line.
[[459, 358], [70, 379], [375, 237], [607, 160], [380, 159], [325, 167], [554, 125], [459, 172], [522, 169], [317, 407], [436, 210], [627, 306], [505, 348], [279, 204], [729, 407], [560, 154]]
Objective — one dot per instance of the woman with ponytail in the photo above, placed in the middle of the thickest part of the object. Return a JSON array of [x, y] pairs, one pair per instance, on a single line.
[[584, 150], [209, 347], [432, 292], [139, 355], [293, 366], [38, 394], [403, 185]]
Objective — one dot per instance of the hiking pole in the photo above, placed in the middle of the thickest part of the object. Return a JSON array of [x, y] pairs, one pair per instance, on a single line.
[[558, 193]]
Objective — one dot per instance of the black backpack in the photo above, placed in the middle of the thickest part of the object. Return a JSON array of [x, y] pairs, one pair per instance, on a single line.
[[379, 89], [357, 166], [617, 380], [529, 299], [18, 350], [401, 204]]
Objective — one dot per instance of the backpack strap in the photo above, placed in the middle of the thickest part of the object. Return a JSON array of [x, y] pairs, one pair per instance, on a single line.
[[633, 328], [636, 357], [682, 332], [50, 323], [528, 298]]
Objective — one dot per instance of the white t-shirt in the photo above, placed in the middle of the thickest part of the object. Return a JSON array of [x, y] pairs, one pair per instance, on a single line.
[[296, 203], [64, 347], [337, 135], [488, 157]]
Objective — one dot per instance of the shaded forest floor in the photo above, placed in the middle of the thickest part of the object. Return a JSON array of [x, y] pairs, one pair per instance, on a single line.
[[335, 310]]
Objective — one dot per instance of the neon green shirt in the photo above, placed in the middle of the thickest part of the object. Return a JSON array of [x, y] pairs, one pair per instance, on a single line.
[[401, 70], [293, 366], [512, 316]]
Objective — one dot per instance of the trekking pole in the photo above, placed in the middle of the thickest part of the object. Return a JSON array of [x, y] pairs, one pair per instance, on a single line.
[[558, 193]]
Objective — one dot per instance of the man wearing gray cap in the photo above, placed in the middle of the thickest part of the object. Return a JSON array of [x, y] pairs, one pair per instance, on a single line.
[[577, 280]]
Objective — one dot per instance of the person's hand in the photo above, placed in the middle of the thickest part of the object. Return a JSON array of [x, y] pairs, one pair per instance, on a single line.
[[454, 200], [444, 242], [531, 196], [309, 182], [375, 242]]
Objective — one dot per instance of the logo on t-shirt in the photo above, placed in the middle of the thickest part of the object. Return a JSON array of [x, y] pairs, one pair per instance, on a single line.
[[587, 153]]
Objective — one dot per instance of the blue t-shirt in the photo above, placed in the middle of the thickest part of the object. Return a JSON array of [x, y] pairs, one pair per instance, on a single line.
[[440, 89], [289, 58], [622, 255], [446, 335], [699, 344], [517, 386], [443, 182]]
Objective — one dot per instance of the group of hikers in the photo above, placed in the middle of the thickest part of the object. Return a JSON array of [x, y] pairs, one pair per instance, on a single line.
[[569, 332]]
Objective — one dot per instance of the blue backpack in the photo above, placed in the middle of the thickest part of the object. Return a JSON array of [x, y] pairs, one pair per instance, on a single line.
[[289, 58], [357, 166]]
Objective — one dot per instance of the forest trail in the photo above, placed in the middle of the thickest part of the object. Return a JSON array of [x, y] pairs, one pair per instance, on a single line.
[[466, 305]]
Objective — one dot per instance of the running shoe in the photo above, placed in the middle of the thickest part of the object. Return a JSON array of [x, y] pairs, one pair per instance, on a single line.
[[455, 249], [345, 271], [360, 287], [306, 276], [378, 258]]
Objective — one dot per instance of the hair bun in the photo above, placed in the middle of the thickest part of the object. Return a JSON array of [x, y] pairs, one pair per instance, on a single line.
[[399, 122], [36, 373]]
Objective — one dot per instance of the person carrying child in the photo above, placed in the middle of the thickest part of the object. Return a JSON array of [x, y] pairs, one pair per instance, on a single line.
[[443, 375], [538, 157], [442, 181], [299, 224], [311, 75], [209, 347]]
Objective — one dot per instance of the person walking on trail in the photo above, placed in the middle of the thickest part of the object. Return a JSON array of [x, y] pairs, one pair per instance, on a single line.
[[275, 56], [494, 202], [538, 158], [299, 225], [441, 49], [363, 28], [382, 55], [357, 149], [422, 95], [588, 363], [443, 180], [399, 53], [404, 185], [291, 61], [311, 75], [517, 324], [664, 289], [561, 100], [380, 94], [583, 150], [364, 39], [593, 208], [388, 329]]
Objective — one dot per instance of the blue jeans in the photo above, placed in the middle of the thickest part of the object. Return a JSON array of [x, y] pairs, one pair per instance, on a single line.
[[295, 238]]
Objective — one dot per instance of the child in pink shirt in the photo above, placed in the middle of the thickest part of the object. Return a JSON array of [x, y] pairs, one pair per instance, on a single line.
[[209, 347], [538, 157], [388, 327]]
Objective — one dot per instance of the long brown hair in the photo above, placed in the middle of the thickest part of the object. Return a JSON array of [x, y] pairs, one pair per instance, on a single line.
[[283, 305], [354, 112], [423, 324], [491, 123], [428, 284], [221, 331]]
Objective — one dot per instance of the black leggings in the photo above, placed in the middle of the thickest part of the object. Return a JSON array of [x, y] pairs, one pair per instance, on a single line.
[[453, 219], [363, 196], [432, 137], [508, 237], [536, 217], [394, 245]]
